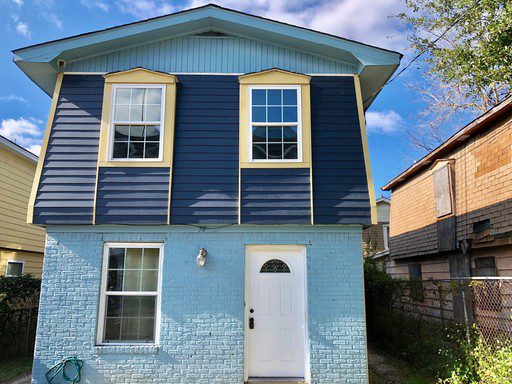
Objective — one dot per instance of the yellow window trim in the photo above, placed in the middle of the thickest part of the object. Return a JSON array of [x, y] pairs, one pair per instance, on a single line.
[[366, 152], [273, 77], [44, 146], [138, 76]]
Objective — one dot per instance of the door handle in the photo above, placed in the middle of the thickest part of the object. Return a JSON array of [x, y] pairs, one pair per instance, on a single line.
[[251, 323]]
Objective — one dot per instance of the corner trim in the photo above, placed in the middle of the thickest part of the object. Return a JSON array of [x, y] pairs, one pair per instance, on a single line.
[[44, 147], [364, 139]]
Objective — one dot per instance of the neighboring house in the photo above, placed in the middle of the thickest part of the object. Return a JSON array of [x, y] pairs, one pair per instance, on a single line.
[[204, 212], [376, 237], [21, 244], [452, 210]]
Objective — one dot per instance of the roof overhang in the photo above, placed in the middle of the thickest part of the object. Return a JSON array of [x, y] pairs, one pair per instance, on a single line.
[[479, 124], [375, 65], [16, 149]]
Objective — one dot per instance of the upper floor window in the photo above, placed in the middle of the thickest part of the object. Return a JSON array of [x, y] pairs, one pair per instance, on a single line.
[[137, 121], [14, 268], [275, 121]]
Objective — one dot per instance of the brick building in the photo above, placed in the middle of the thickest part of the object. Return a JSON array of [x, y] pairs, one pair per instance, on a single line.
[[452, 211]]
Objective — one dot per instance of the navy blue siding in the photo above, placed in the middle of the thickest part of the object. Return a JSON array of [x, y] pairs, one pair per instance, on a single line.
[[276, 196], [340, 190], [205, 169], [66, 189], [132, 195]]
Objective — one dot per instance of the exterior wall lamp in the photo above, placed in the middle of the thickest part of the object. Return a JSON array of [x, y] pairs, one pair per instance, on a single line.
[[201, 257]]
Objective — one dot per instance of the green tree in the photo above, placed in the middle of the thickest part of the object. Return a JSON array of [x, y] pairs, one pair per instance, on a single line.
[[467, 46]]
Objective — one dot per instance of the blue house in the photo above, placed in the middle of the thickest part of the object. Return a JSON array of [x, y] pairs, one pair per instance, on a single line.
[[204, 182]]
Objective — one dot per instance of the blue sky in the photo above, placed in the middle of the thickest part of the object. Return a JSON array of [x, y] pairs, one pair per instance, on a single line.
[[24, 107]]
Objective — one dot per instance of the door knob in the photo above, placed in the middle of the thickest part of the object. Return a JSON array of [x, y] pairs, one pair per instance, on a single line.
[[251, 323]]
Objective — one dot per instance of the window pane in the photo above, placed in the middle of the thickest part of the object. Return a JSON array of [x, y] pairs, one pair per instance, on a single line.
[[123, 96], [274, 97], [150, 260], [259, 134], [146, 329], [259, 151], [152, 132], [116, 258], [115, 280], [133, 258], [290, 151], [14, 269], [289, 134], [113, 329], [130, 306], [275, 151], [136, 151], [153, 113], [122, 113], [152, 151], [289, 97], [259, 97], [274, 114], [259, 114], [137, 96], [136, 133], [275, 134], [136, 112], [147, 306], [114, 306], [130, 328], [290, 114], [149, 281], [154, 96], [131, 280], [121, 133], [120, 150]]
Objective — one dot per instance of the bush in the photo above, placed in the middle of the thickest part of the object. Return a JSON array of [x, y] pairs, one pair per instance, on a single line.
[[482, 362], [18, 292]]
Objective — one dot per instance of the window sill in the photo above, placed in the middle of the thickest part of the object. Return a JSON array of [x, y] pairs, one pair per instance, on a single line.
[[127, 349]]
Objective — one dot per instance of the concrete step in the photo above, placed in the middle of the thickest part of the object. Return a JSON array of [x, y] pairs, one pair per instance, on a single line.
[[276, 380]]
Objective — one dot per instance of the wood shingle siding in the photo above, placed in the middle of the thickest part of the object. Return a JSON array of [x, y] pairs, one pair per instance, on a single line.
[[276, 196], [205, 172], [66, 189], [340, 189], [132, 195]]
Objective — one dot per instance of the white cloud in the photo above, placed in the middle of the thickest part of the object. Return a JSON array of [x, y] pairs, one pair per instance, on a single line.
[[19, 3], [13, 97], [35, 149], [52, 18], [95, 4], [23, 131], [23, 29], [386, 122], [368, 21], [146, 8]]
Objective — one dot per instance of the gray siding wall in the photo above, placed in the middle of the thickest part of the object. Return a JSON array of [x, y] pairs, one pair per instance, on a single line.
[[276, 196], [66, 190], [205, 170], [132, 195], [340, 189]]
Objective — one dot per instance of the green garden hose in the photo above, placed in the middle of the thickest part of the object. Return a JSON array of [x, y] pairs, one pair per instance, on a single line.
[[54, 371]]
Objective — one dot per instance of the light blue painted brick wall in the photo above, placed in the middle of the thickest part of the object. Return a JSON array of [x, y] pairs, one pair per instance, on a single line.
[[202, 308]]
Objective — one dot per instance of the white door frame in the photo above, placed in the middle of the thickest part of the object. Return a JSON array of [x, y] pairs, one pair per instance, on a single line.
[[273, 247]]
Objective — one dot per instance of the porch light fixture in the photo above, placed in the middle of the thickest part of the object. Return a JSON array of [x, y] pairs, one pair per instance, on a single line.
[[201, 257]]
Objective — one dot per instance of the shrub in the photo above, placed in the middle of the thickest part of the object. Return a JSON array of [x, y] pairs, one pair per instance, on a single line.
[[18, 292]]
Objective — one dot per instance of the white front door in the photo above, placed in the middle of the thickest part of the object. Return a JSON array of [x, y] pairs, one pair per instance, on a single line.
[[275, 311]]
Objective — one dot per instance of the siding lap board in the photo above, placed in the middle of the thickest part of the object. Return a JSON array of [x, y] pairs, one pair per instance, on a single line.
[[340, 189], [276, 196], [132, 195], [205, 162], [66, 189]]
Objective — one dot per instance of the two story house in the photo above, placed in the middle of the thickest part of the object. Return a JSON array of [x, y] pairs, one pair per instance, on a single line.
[[21, 244], [204, 183]]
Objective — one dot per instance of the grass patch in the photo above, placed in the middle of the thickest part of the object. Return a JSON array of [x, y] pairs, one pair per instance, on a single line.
[[14, 367]]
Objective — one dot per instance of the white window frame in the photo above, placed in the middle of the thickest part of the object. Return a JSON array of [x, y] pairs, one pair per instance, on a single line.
[[299, 124], [385, 234], [15, 262], [115, 87], [102, 312]]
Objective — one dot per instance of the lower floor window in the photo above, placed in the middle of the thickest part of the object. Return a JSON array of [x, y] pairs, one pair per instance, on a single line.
[[14, 268], [130, 294]]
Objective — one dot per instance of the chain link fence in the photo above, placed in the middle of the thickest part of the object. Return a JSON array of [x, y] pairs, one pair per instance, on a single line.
[[484, 302]]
